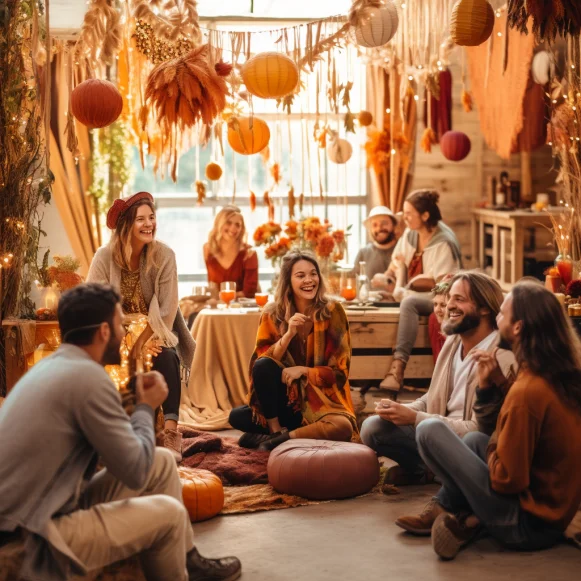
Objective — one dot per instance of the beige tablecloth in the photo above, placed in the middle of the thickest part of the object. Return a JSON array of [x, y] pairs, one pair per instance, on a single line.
[[218, 382]]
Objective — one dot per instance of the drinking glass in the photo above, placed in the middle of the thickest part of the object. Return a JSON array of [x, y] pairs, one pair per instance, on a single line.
[[261, 299], [227, 292]]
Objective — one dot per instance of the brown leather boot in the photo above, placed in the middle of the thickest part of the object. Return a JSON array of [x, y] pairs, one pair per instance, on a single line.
[[397, 476], [394, 379], [421, 524]]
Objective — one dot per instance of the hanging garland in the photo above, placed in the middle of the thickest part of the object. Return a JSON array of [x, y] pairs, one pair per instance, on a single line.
[[549, 19]]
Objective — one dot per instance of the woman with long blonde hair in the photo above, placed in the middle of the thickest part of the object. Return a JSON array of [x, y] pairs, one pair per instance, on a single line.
[[228, 257], [300, 366], [143, 270]]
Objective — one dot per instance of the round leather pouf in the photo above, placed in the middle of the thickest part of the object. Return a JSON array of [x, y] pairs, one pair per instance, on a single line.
[[322, 470]]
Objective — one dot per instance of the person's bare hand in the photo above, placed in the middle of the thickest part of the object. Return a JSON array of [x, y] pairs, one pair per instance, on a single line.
[[489, 372], [152, 348], [398, 414], [289, 374], [379, 281], [150, 389], [296, 321]]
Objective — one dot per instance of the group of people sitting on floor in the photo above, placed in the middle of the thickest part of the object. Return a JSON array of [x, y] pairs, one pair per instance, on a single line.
[[499, 428]]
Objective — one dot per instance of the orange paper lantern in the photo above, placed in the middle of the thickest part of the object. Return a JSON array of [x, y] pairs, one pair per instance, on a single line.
[[213, 171], [270, 75], [375, 26], [248, 135], [365, 118], [472, 22], [202, 492], [455, 145], [96, 103], [339, 151]]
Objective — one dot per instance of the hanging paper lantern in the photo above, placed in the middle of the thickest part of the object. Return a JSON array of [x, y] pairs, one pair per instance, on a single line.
[[213, 171], [543, 67], [374, 26], [248, 135], [472, 22], [270, 75], [365, 118], [455, 145], [202, 493], [339, 151], [96, 103]]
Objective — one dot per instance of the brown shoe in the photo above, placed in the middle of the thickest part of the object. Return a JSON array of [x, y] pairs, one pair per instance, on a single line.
[[450, 534], [422, 523], [394, 379], [397, 476], [172, 440]]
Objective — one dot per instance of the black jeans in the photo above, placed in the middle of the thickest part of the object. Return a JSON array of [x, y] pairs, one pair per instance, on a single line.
[[271, 393], [168, 364]]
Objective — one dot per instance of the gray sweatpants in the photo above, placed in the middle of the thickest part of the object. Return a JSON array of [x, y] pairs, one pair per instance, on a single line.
[[460, 464], [410, 311]]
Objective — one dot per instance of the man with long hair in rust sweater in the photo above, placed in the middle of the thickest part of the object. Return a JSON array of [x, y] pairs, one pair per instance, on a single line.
[[523, 484]]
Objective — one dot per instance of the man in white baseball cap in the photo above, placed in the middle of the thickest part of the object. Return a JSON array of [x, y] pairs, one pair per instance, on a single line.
[[381, 224]]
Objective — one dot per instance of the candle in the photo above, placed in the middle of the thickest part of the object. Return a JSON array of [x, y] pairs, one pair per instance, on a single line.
[[50, 300]]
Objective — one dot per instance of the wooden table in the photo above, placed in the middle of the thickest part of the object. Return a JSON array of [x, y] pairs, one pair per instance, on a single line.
[[515, 235], [226, 339]]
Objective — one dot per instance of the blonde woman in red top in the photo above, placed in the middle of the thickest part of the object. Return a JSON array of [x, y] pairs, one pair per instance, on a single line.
[[228, 257]]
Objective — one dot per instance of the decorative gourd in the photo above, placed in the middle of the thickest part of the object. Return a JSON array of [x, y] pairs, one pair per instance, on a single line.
[[248, 135], [455, 145], [96, 103], [213, 171], [202, 492], [339, 151], [471, 22], [543, 67], [374, 26], [270, 75], [365, 118]]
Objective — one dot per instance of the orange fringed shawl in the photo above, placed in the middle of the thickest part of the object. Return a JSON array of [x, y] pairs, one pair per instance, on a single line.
[[325, 390]]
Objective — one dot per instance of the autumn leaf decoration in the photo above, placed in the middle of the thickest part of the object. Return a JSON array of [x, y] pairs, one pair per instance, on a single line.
[[252, 201], [428, 139], [201, 191], [466, 99], [291, 202]]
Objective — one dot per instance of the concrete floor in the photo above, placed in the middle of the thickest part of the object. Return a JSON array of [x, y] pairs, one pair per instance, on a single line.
[[357, 539]]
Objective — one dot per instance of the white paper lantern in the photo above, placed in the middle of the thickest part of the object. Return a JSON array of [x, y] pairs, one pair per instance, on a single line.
[[339, 151], [376, 26], [543, 67]]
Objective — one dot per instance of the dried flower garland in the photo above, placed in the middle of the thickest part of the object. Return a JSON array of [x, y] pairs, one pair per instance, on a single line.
[[550, 19], [156, 49]]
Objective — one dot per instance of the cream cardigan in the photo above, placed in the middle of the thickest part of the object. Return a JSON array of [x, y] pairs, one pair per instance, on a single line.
[[160, 291]]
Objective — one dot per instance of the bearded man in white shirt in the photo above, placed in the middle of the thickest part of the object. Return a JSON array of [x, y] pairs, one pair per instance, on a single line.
[[474, 300]]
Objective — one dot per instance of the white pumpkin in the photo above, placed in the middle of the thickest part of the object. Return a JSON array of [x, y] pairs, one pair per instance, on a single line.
[[376, 26], [543, 67], [339, 151]]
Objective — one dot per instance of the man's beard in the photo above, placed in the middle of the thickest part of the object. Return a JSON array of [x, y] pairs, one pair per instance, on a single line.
[[389, 236], [504, 343], [469, 321], [112, 354]]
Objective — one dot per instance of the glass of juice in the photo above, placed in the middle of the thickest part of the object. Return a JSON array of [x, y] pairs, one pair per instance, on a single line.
[[261, 299], [227, 292]]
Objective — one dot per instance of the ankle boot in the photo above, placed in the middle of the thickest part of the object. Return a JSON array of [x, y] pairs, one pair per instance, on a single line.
[[274, 441], [394, 379]]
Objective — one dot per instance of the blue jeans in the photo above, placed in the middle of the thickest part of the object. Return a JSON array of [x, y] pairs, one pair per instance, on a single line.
[[395, 442], [460, 464]]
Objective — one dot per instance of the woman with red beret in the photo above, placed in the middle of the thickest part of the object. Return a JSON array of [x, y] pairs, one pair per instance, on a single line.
[[144, 272]]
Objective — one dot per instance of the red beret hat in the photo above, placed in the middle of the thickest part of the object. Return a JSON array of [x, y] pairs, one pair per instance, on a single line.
[[121, 205]]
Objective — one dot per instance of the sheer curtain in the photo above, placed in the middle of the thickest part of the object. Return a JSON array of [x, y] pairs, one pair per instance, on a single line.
[[72, 179]]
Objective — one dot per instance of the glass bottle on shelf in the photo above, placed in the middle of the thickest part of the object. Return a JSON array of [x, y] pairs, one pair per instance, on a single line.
[[363, 284]]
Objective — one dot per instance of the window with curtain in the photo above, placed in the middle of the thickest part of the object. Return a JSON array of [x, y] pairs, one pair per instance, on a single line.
[[184, 225]]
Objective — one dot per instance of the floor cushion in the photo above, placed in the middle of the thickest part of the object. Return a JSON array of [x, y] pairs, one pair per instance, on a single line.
[[322, 470]]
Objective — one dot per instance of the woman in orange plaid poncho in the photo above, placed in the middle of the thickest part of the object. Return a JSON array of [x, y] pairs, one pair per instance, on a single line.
[[300, 366]]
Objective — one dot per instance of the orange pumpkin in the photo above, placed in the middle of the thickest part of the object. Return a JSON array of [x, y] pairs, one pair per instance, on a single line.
[[248, 135], [365, 118], [202, 492], [213, 171], [96, 103], [270, 75]]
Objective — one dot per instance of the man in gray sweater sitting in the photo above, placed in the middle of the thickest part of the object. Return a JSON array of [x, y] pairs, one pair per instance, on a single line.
[[59, 419]]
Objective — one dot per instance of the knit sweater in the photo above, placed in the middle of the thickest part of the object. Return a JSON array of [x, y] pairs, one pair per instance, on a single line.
[[536, 449], [160, 291]]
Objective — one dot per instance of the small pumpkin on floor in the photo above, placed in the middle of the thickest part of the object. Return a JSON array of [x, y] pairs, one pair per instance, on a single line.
[[202, 492]]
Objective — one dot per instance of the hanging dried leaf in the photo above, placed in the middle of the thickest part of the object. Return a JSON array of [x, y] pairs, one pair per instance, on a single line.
[[286, 102], [549, 19], [201, 191], [301, 202], [291, 202], [266, 198], [349, 122], [346, 94], [433, 84], [466, 99], [170, 19], [271, 213], [275, 173], [428, 138], [252, 201]]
